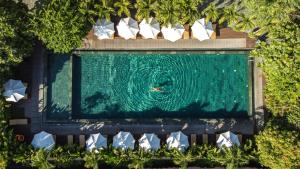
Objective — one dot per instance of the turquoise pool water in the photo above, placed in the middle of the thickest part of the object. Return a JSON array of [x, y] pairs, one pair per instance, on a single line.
[[153, 85]]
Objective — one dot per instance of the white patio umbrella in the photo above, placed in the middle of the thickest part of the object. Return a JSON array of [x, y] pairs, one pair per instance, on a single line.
[[172, 33], [96, 141], [149, 142], [228, 139], [14, 90], [150, 29], [178, 140], [123, 140], [104, 29], [128, 28], [43, 140], [201, 30]]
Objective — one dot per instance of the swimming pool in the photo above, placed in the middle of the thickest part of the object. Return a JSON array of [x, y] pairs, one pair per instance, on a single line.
[[109, 85]]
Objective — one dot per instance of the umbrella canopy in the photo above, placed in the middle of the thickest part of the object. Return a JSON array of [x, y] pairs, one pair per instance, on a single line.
[[149, 142], [128, 28], [150, 29], [96, 141], [178, 140], [228, 139], [172, 33], [123, 140], [201, 30], [14, 90], [104, 29], [43, 140]]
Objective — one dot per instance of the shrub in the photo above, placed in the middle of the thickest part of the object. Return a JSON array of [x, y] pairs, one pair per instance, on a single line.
[[15, 39], [61, 24], [278, 146]]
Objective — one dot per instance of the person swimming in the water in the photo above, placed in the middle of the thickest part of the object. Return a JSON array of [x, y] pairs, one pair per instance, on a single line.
[[156, 89]]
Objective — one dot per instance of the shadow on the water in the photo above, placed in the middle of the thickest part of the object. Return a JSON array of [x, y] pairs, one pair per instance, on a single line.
[[54, 111], [95, 100], [193, 110]]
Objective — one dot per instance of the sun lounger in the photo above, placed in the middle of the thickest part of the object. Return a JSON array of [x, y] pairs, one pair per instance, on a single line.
[[82, 140], [193, 139], [186, 33], [205, 138], [240, 136], [70, 139], [13, 122]]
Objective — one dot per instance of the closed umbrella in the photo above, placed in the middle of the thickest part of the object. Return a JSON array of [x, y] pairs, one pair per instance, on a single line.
[[43, 140], [150, 29], [149, 142], [201, 30], [228, 139], [123, 140], [96, 141], [14, 90], [128, 28], [104, 29], [178, 140], [172, 33]]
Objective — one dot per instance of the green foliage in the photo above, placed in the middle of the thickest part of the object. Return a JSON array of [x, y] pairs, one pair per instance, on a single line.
[[168, 12], [92, 159], [278, 146], [123, 7], [281, 65], [229, 15], [104, 9], [233, 157], [39, 159], [66, 156], [61, 24], [22, 154], [181, 158], [6, 145], [211, 13], [190, 13], [15, 40], [139, 158], [145, 9]]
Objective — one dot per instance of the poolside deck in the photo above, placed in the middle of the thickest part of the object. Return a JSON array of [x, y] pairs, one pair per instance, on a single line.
[[226, 39]]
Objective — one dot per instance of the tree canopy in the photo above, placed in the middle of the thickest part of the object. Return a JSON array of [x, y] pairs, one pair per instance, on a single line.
[[15, 40], [61, 25], [278, 146]]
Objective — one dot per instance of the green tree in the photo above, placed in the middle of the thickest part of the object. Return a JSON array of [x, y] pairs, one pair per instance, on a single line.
[[104, 9], [168, 12], [278, 146], [39, 159], [145, 9], [61, 24], [190, 11], [230, 15], [211, 13], [15, 40], [245, 24], [123, 7]]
